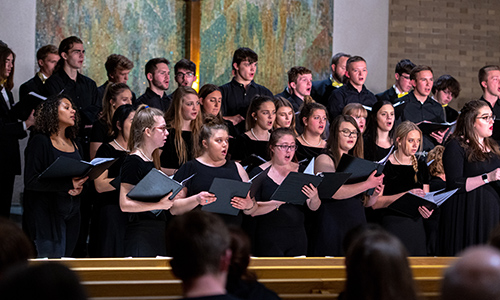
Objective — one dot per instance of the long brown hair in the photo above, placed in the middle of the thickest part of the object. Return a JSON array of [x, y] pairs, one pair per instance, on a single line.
[[401, 133], [466, 136], [332, 144], [173, 117], [254, 107], [206, 90], [280, 102], [9, 81], [144, 118], [111, 93]]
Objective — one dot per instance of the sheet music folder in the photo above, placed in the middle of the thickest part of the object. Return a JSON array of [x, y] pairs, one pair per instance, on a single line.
[[68, 167], [408, 203], [359, 168], [429, 127], [290, 190], [331, 183], [225, 189], [154, 186]]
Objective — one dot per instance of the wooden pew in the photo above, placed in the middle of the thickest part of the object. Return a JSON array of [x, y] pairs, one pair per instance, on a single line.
[[291, 278]]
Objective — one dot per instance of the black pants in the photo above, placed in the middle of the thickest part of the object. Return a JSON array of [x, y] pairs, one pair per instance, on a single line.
[[6, 190]]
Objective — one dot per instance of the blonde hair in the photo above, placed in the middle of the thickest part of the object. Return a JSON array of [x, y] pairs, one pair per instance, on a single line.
[[436, 155], [401, 133], [174, 120], [355, 110]]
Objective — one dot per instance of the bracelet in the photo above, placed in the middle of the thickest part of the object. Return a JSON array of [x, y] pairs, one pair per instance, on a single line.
[[247, 209]]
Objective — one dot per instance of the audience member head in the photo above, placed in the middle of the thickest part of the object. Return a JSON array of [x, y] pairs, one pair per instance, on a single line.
[[358, 112], [43, 281], [422, 79], [474, 129], [261, 112], [345, 137], [489, 79], [436, 156], [360, 230], [313, 117], [213, 139], [147, 124], [402, 75], [158, 74], [185, 107], [211, 100], [285, 116], [47, 58], [185, 72], [445, 89], [244, 64], [118, 67], [115, 95], [381, 119], [356, 71], [57, 112], [338, 65], [15, 247], [300, 80], [240, 259], [474, 276], [199, 244], [377, 268], [122, 121], [72, 53], [7, 66]]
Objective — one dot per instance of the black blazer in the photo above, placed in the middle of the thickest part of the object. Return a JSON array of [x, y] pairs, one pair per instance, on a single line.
[[11, 130]]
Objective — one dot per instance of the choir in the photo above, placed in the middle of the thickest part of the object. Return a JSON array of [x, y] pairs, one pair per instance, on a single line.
[[239, 130]]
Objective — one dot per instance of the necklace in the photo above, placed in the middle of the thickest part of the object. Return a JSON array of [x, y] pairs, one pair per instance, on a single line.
[[396, 158], [255, 137], [144, 155], [302, 136], [120, 146]]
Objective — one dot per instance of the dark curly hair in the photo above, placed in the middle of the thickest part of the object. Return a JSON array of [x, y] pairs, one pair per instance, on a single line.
[[47, 117]]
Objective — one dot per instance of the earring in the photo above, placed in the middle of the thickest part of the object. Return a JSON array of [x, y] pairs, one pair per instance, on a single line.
[[255, 119]]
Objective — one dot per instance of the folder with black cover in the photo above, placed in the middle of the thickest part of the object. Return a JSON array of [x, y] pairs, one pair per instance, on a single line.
[[68, 167], [156, 185], [225, 189], [290, 190], [22, 109], [429, 127], [331, 183], [409, 203], [359, 168], [252, 161]]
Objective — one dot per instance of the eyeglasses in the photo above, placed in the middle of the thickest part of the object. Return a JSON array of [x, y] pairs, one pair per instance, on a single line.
[[348, 133], [487, 118], [287, 147], [161, 128], [184, 75]]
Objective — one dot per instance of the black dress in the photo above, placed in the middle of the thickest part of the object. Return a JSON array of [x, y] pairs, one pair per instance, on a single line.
[[108, 222], [431, 224], [52, 215], [331, 222], [280, 232], [398, 179], [145, 233], [100, 132], [306, 152], [372, 151], [169, 158], [467, 217], [203, 180], [242, 147]]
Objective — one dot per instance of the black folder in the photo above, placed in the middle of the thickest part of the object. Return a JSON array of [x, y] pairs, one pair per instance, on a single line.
[[225, 189], [154, 186], [331, 183], [408, 203], [359, 168], [22, 109], [429, 127], [290, 190], [252, 161], [68, 167]]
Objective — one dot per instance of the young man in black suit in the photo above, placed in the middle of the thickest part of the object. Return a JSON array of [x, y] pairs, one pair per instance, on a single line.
[[47, 58], [237, 94], [489, 79], [158, 75], [322, 90], [402, 86]]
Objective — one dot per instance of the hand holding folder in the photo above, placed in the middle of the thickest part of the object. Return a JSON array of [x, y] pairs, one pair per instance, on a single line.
[[156, 185], [225, 189], [65, 167], [409, 203]]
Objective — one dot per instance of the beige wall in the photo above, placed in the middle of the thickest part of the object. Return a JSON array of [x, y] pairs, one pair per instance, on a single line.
[[455, 37]]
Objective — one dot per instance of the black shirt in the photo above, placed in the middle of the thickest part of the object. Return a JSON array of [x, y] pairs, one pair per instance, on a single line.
[[152, 99], [169, 157], [100, 132], [285, 94], [322, 90], [236, 99], [388, 95], [416, 111], [83, 93], [295, 101], [348, 94], [496, 126]]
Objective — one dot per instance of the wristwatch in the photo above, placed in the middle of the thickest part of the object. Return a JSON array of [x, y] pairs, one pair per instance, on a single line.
[[485, 178]]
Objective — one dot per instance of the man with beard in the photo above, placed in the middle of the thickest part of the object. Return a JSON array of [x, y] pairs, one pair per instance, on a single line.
[[158, 75], [321, 90]]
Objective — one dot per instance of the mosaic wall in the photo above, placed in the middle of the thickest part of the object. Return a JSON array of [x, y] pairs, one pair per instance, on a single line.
[[138, 29], [284, 33]]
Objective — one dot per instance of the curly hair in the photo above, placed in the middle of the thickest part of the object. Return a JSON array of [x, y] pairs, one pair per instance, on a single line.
[[47, 117]]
